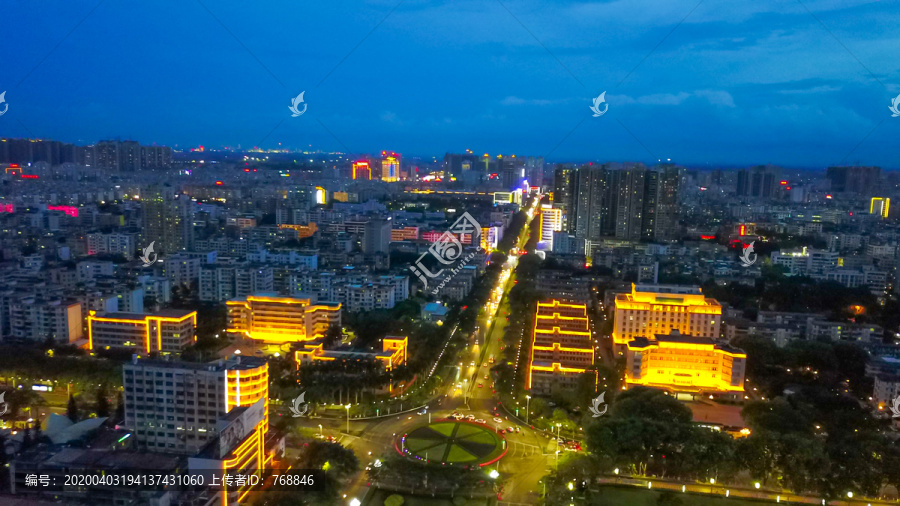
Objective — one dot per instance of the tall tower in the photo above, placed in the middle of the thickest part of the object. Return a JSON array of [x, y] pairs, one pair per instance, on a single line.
[[165, 219]]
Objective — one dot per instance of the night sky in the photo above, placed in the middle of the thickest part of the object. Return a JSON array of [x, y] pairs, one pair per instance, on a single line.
[[733, 82]]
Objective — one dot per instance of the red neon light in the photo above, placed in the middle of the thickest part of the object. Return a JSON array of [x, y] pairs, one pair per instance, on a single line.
[[14, 166], [219, 183], [743, 229], [69, 210], [707, 237], [783, 183], [6, 208], [29, 176]]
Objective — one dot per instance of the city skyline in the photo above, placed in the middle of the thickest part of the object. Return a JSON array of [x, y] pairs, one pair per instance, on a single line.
[[695, 83]]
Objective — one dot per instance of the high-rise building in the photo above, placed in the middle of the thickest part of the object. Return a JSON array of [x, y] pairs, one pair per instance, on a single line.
[[168, 331], [629, 184], [551, 221], [659, 309], [215, 413], [659, 215], [377, 237], [390, 166], [274, 319], [562, 349], [880, 206], [854, 179], [563, 188], [628, 202], [361, 170], [761, 181], [534, 170], [683, 363], [166, 219]]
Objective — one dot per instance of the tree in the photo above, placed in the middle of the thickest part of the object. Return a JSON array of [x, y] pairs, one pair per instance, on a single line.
[[72, 409], [120, 407], [102, 402], [394, 500]]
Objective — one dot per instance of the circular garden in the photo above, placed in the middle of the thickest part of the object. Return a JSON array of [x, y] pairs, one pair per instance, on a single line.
[[453, 443]]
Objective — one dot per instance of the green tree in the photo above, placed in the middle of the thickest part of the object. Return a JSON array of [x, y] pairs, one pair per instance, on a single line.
[[102, 402], [72, 409], [394, 500]]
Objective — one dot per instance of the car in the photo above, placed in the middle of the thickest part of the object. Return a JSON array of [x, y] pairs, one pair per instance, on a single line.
[[498, 419], [517, 430], [480, 420], [472, 364], [485, 376], [470, 417], [509, 429], [480, 385]]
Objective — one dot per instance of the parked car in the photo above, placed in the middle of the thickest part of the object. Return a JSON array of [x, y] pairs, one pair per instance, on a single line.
[[498, 420], [480, 420]]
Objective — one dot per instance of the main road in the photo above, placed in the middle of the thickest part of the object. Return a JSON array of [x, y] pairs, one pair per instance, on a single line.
[[528, 451]]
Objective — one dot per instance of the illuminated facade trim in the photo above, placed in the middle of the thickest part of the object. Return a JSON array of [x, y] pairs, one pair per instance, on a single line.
[[656, 309], [562, 347], [685, 364], [142, 332], [275, 319]]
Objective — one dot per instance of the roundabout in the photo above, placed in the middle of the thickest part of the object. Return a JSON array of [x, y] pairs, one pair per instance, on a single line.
[[453, 443]]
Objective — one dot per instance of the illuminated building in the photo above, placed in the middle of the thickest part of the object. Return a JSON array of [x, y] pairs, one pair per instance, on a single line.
[[684, 363], [303, 231], [659, 309], [168, 331], [217, 413], [154, 387], [880, 206], [562, 349], [321, 196], [277, 319], [361, 170], [404, 234], [390, 166], [393, 353], [551, 221]]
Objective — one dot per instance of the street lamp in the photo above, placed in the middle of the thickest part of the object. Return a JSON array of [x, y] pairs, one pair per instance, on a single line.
[[527, 411], [320, 429], [348, 418]]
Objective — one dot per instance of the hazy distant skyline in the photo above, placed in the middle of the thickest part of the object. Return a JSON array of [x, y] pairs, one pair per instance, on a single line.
[[735, 83]]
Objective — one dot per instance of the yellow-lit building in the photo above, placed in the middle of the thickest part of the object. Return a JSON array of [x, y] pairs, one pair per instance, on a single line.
[[168, 331], [361, 170], [394, 352], [303, 231], [278, 319], [562, 348], [390, 166], [880, 206], [659, 309], [683, 363]]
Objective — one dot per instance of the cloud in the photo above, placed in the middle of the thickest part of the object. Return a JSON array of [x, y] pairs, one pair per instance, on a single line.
[[512, 100], [714, 97]]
